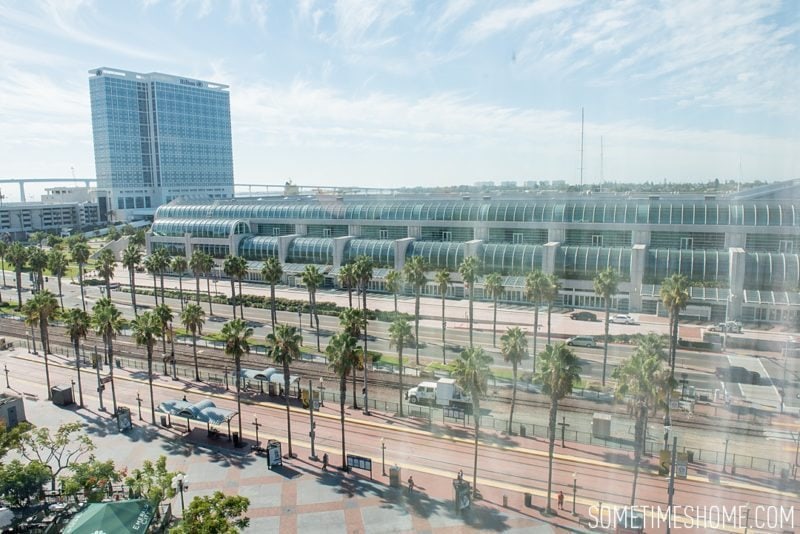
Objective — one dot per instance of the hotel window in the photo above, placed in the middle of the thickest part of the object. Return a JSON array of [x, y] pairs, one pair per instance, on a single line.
[[326, 232], [785, 246], [447, 236], [687, 243], [597, 241], [276, 231], [383, 233], [517, 238]]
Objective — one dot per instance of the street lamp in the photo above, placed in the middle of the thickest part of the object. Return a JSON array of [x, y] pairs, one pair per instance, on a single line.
[[139, 401], [180, 482], [574, 491], [321, 392], [383, 456], [746, 517], [667, 428]]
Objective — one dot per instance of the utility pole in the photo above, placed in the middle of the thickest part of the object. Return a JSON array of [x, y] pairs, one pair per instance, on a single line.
[[671, 487], [312, 434]]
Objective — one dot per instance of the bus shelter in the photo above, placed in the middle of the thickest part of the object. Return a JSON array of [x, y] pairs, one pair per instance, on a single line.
[[204, 411]]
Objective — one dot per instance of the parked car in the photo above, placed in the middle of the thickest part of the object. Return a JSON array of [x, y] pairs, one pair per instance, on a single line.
[[583, 316], [622, 319], [582, 341], [732, 327]]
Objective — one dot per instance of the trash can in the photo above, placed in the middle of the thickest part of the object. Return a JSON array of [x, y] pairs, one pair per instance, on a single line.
[[690, 456], [528, 500], [61, 395], [235, 439], [522, 431], [164, 421], [394, 477]]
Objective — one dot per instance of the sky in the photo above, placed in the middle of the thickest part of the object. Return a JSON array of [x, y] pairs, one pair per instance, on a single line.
[[392, 93]]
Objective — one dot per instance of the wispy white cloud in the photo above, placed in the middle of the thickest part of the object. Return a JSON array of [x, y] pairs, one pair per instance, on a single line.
[[364, 23], [452, 12], [511, 17]]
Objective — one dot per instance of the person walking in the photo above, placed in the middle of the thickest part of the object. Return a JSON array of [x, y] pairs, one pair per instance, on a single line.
[[325, 462], [560, 500], [410, 485]]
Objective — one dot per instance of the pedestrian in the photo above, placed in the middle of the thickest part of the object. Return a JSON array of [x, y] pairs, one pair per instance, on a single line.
[[560, 500], [460, 475], [184, 399], [410, 485], [325, 462]]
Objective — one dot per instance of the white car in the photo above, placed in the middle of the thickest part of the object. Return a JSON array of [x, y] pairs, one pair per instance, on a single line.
[[622, 319], [582, 341]]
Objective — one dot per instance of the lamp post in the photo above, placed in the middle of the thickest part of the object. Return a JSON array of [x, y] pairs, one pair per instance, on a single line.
[[383, 456], [725, 456], [574, 491], [5, 368], [172, 352], [321, 392], [747, 517], [139, 402], [725, 326], [257, 425], [180, 482], [667, 428], [312, 433]]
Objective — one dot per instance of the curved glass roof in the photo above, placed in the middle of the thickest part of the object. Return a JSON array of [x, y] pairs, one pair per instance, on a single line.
[[258, 248], [592, 211], [311, 250], [380, 251], [199, 227], [772, 270], [511, 259], [438, 255], [586, 262], [694, 264]]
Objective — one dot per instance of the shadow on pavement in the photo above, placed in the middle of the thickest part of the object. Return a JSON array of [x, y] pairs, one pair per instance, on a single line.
[[286, 472]]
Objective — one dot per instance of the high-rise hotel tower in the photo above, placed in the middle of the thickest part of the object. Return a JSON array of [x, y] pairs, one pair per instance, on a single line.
[[158, 137]]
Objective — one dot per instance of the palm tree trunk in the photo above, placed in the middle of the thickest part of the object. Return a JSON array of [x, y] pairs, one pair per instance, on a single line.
[[535, 333], [111, 373], [395, 304], [60, 294], [400, 357], [77, 346], [194, 352], [197, 288], [355, 400], [366, 354], [605, 343], [161, 276], [208, 288], [43, 335], [551, 447], [288, 411], [494, 323], [273, 314], [155, 289], [133, 291], [150, 380], [416, 325], [477, 418], [3, 268], [180, 288], [238, 362], [19, 292], [342, 395], [637, 452], [470, 315], [316, 319], [233, 296], [549, 315], [513, 397], [444, 327], [108, 287], [350, 296], [241, 300]]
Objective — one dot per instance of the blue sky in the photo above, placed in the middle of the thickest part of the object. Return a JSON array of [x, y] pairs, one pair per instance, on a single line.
[[397, 92]]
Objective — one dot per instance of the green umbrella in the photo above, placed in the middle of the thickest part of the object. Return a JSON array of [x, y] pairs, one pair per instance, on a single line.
[[112, 518]]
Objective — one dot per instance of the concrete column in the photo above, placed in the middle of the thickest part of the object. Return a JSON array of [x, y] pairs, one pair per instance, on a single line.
[[482, 233], [735, 239], [549, 259], [415, 231], [736, 273], [301, 229], [556, 234], [233, 243], [21, 191], [400, 251], [640, 237], [187, 245], [354, 230], [339, 245], [638, 264], [283, 246], [148, 247], [473, 248]]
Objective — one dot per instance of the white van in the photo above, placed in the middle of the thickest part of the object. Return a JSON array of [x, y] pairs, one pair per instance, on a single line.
[[582, 341]]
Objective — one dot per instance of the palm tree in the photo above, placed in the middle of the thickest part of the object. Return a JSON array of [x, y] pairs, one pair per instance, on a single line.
[[399, 334], [131, 258], [151, 264], [160, 264], [241, 273], [196, 265], [675, 296], [18, 256], [472, 375], [37, 259], [551, 289], [469, 274], [146, 329], [193, 319], [107, 321], [236, 333], [57, 265], [558, 372], [414, 272], [534, 289], [312, 279], [343, 357], [79, 251], [443, 284], [493, 288], [392, 283], [230, 268], [283, 346], [77, 324], [347, 279], [605, 286], [179, 266], [105, 268], [37, 311], [3, 251], [47, 305], [164, 314], [514, 347], [272, 272], [363, 270], [353, 321], [207, 264], [643, 378]]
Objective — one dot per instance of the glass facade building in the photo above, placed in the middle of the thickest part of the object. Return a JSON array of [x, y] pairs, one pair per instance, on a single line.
[[159, 137]]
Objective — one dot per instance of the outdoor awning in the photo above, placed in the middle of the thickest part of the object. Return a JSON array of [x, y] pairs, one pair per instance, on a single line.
[[204, 411], [270, 375], [133, 516]]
